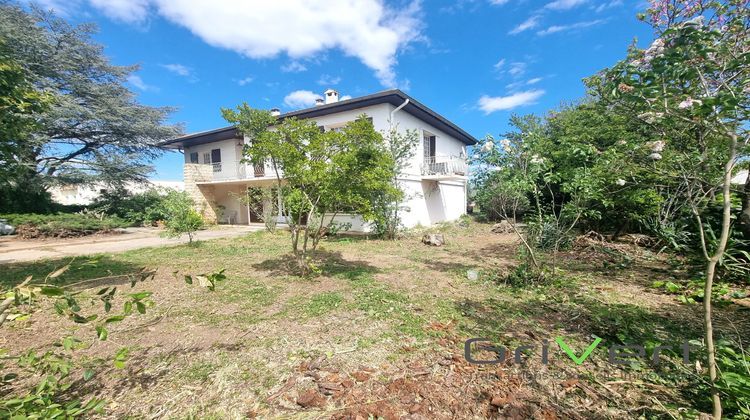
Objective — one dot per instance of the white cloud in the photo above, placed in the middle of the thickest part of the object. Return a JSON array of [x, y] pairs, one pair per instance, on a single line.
[[610, 5], [369, 30], [564, 4], [490, 104], [517, 69], [301, 99], [182, 71], [564, 28], [139, 84], [529, 23], [245, 81], [328, 80], [498, 2], [293, 67], [177, 69], [129, 11], [345, 97], [61, 7], [534, 81]]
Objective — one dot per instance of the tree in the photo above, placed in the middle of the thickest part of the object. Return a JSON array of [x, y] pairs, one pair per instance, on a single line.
[[92, 128], [181, 217], [323, 173], [20, 102], [526, 169], [696, 76], [401, 148]]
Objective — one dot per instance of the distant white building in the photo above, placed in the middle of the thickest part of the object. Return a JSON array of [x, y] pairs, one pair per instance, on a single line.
[[741, 177], [83, 195], [434, 181]]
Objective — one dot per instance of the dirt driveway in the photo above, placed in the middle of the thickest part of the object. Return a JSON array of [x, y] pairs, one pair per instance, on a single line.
[[13, 249]]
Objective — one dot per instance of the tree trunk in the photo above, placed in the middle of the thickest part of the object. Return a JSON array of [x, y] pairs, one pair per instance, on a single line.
[[710, 348], [713, 260]]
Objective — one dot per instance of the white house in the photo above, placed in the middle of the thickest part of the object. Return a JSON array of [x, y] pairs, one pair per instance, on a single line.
[[435, 182]]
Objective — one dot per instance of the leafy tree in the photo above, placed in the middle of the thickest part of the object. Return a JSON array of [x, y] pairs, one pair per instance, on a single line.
[[695, 75], [324, 173], [92, 127], [401, 147], [526, 168], [181, 217]]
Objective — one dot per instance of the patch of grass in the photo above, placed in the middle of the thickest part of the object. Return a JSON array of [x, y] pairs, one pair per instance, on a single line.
[[379, 302], [323, 303], [81, 268], [198, 371]]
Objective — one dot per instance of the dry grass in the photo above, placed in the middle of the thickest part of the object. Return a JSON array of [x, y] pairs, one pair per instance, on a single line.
[[379, 332]]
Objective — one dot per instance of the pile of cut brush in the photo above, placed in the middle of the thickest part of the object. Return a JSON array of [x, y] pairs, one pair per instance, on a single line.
[[63, 225], [594, 246]]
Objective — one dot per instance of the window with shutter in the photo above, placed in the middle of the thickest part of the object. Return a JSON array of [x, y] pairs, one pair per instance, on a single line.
[[429, 148]]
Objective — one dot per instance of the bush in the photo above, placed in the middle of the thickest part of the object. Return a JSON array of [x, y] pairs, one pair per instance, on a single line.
[[144, 208], [549, 234], [181, 217], [62, 225]]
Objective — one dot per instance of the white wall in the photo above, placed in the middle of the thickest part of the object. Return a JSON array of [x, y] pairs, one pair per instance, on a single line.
[[428, 201], [358, 224], [230, 151], [445, 145], [226, 196]]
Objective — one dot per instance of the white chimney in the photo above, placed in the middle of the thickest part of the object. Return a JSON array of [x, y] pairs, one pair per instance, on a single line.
[[319, 102], [331, 96], [275, 112]]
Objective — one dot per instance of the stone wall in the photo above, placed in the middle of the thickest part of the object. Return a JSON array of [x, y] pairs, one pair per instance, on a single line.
[[202, 195]]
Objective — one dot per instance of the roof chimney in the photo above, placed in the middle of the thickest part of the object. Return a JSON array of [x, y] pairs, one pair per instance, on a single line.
[[319, 102], [275, 112], [331, 96]]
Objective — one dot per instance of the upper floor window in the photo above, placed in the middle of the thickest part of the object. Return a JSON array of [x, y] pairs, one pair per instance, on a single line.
[[429, 147], [194, 157], [215, 155]]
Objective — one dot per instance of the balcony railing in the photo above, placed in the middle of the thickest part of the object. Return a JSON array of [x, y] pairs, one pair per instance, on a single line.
[[231, 170], [444, 166]]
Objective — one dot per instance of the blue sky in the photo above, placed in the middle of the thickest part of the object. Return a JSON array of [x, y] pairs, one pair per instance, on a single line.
[[474, 61]]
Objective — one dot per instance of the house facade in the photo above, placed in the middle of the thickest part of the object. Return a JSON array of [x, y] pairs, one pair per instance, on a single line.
[[435, 180]]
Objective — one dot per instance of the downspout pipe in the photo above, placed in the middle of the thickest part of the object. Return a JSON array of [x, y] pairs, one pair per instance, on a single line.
[[393, 113]]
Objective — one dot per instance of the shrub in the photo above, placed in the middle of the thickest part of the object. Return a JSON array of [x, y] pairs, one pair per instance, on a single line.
[[145, 208], [181, 217], [62, 225]]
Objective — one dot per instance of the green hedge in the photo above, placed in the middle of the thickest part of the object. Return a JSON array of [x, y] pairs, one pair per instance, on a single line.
[[61, 224]]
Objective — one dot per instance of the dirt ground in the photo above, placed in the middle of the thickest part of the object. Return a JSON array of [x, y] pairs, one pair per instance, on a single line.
[[380, 333]]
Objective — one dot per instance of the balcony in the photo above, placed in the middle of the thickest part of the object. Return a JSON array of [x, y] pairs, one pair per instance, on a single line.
[[224, 172], [444, 168]]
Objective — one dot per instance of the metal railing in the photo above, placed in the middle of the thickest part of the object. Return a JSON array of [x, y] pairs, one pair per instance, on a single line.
[[231, 170], [437, 165]]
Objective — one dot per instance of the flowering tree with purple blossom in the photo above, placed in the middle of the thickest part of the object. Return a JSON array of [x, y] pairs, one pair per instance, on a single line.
[[695, 76]]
